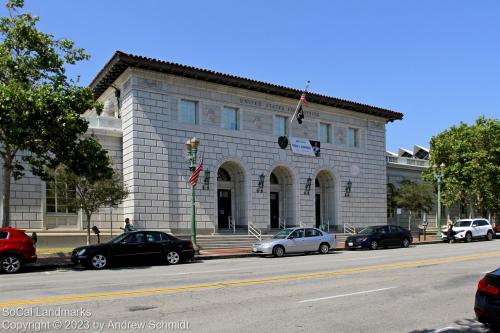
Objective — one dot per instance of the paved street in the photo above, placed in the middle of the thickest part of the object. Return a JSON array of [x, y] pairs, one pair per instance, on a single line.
[[420, 289]]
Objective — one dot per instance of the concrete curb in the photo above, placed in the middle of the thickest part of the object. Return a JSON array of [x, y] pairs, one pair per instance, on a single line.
[[62, 261]]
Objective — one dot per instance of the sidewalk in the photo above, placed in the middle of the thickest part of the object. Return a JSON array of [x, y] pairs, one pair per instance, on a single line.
[[62, 259]]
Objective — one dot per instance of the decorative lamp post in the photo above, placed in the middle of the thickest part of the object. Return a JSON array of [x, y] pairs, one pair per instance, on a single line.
[[307, 188], [438, 176], [348, 188], [192, 149]]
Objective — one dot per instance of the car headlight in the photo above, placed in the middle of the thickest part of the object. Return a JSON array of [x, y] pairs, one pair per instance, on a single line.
[[80, 252], [265, 244]]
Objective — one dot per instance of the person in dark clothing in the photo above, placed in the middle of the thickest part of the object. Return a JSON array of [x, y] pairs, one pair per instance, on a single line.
[[450, 233]]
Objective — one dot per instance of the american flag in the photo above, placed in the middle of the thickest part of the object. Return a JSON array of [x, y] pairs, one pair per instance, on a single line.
[[196, 174], [303, 98]]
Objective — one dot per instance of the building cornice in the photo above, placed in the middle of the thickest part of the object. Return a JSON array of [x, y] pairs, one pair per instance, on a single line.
[[121, 61]]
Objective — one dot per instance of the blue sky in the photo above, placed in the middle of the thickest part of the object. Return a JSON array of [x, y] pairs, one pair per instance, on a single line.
[[438, 62]]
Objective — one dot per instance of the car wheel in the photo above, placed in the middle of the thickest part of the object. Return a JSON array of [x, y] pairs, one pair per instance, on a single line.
[[278, 251], [406, 242], [489, 236], [468, 237], [373, 245], [324, 248], [10, 264], [99, 261], [173, 258]]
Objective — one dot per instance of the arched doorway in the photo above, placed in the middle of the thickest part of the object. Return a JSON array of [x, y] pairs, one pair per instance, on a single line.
[[282, 197], [324, 199], [231, 195]]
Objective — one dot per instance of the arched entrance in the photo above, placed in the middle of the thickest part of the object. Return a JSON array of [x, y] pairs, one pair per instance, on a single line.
[[324, 198], [282, 197], [231, 195]]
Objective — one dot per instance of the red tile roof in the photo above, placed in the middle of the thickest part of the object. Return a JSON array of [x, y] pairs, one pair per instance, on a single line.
[[121, 61]]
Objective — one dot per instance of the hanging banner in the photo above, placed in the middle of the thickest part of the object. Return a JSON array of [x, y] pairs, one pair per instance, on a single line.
[[301, 146]]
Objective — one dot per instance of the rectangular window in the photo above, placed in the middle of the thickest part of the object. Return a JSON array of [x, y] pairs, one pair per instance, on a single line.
[[57, 197], [353, 137], [324, 133], [189, 112], [280, 125], [230, 118]]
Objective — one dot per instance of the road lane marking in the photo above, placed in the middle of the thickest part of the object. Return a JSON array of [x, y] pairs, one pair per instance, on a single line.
[[407, 264], [344, 295], [200, 272]]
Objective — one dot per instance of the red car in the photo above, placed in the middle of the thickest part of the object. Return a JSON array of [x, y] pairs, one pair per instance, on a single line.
[[487, 304], [496, 230], [16, 250]]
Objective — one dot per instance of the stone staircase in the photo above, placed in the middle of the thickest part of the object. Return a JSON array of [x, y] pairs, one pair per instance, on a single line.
[[239, 239]]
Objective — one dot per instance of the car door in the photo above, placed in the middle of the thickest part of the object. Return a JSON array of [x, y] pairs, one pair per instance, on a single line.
[[132, 247], [154, 245], [312, 239], [395, 235], [475, 229], [384, 236], [295, 242]]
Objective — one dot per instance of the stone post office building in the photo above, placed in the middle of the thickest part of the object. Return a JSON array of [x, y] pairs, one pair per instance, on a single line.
[[152, 107]]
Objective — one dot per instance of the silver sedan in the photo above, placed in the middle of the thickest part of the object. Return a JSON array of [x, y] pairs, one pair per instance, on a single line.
[[296, 240]]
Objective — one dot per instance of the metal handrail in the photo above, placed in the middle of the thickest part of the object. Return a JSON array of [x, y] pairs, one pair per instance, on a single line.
[[231, 224], [254, 231], [282, 223], [325, 227], [349, 228]]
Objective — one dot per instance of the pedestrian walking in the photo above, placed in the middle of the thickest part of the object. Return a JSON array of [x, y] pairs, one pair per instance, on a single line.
[[128, 227]]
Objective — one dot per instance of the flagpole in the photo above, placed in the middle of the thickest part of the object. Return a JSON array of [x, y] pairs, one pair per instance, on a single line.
[[192, 149], [300, 102]]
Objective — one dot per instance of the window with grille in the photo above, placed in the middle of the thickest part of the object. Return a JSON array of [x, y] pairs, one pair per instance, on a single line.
[[57, 194]]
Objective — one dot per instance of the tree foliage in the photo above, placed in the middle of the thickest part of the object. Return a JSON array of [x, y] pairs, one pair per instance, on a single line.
[[414, 196], [40, 107], [90, 193], [471, 154]]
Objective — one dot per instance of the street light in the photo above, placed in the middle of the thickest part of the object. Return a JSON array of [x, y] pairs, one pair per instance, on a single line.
[[192, 149], [438, 176]]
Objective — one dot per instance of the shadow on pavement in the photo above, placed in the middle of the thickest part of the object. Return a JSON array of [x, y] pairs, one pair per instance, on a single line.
[[461, 326]]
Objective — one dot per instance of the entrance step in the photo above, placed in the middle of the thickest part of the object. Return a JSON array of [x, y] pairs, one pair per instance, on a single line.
[[228, 241]]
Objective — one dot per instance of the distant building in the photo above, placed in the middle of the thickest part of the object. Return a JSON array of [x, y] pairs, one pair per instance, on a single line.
[[409, 165]]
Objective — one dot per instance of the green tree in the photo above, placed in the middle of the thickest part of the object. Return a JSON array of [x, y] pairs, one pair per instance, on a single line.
[[90, 194], [40, 107], [471, 154], [414, 197]]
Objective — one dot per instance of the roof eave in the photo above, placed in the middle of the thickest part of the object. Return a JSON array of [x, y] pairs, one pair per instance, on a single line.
[[121, 61]]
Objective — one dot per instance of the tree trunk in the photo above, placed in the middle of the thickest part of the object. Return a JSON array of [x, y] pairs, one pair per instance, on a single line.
[[7, 172], [88, 228]]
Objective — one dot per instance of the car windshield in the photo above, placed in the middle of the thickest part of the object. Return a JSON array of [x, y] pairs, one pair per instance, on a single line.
[[119, 238], [283, 234], [462, 223], [369, 230]]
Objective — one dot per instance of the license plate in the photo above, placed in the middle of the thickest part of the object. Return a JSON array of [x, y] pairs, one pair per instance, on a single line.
[[350, 244]]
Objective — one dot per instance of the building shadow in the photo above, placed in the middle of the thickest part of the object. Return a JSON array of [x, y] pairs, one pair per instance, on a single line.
[[461, 326]]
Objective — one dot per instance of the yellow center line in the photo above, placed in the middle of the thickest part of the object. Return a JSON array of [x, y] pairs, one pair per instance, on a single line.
[[248, 282]]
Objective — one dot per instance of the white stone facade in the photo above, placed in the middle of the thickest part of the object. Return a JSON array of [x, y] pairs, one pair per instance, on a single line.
[[147, 143]]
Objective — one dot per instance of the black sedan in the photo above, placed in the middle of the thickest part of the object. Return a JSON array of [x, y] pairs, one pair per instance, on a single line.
[[487, 305], [135, 247], [379, 236]]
